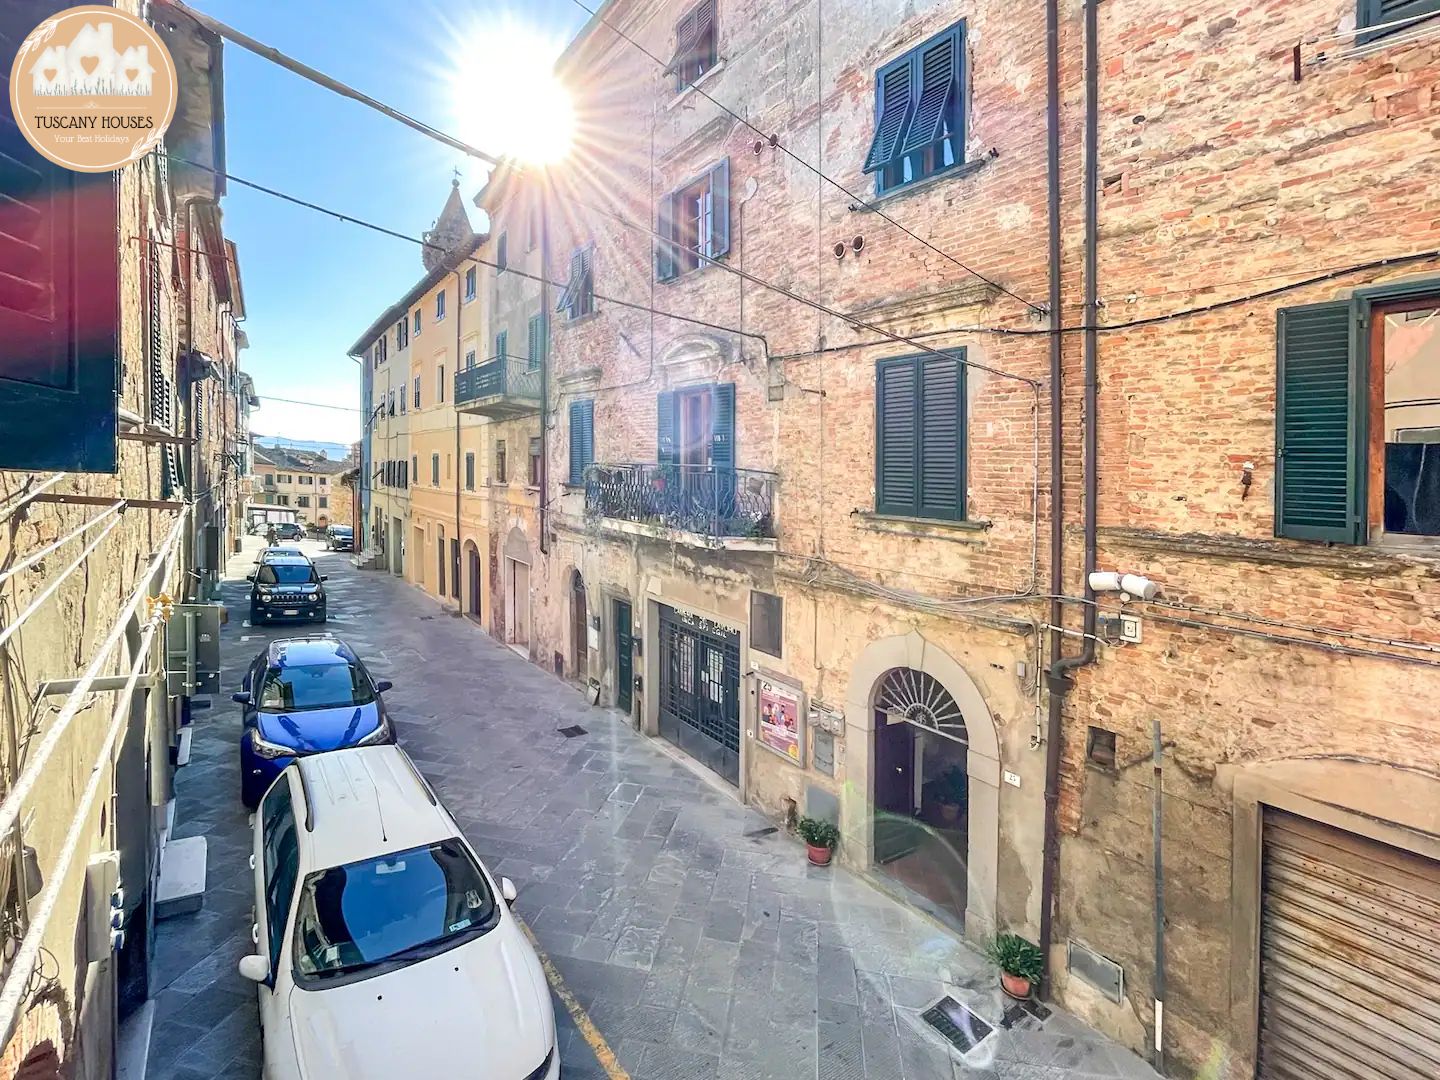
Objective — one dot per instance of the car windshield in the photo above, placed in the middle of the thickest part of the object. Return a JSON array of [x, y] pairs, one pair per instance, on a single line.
[[296, 688], [285, 574], [343, 530], [394, 907]]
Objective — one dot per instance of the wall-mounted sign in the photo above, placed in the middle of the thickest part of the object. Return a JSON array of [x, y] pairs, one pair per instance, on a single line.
[[779, 726]]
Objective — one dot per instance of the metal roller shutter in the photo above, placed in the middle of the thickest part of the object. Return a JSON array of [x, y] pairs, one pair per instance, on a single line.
[[1350, 957]]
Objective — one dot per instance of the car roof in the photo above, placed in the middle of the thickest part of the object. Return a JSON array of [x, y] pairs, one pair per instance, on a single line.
[[310, 651], [289, 560], [364, 802]]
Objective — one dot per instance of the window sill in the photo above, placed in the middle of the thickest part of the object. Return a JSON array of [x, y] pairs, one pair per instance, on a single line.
[[930, 528], [689, 91], [957, 172]]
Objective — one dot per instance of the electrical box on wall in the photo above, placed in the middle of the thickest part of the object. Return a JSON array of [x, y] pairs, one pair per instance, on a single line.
[[1118, 629], [192, 650], [105, 906]]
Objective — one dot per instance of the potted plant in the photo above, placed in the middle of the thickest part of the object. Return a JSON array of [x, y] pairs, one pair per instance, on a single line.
[[820, 838], [950, 790], [1019, 961]]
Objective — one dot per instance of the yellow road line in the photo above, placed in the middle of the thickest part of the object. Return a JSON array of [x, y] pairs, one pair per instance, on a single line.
[[603, 1054]]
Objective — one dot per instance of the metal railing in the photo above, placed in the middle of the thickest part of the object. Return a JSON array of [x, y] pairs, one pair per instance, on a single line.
[[504, 376], [716, 502]]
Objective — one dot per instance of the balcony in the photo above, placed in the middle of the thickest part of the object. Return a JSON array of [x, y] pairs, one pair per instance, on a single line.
[[501, 388], [697, 504]]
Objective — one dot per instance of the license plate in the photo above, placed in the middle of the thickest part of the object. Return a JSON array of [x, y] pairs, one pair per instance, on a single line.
[[291, 611]]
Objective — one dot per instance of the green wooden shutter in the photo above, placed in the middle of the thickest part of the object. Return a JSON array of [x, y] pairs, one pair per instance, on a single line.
[[720, 209], [502, 344], [667, 267], [1379, 12], [585, 300], [665, 449], [892, 113], [1320, 425], [722, 425], [536, 344], [577, 442], [897, 437], [570, 294], [938, 74], [942, 438]]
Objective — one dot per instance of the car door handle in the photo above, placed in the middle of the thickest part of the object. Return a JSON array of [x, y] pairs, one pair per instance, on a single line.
[[255, 933], [252, 861]]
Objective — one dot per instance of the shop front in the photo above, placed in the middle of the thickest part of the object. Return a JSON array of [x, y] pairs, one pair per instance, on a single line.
[[699, 700]]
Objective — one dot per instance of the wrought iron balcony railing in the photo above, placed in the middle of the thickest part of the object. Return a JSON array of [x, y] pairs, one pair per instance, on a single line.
[[715, 502], [503, 386]]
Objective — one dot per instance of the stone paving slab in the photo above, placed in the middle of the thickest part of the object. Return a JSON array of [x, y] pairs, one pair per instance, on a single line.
[[702, 944]]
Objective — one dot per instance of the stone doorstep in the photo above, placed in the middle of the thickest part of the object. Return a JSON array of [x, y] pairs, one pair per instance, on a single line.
[[182, 877], [182, 751], [132, 1046]]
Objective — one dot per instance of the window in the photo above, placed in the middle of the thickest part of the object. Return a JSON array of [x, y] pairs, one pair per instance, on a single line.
[[455, 568], [308, 481], [469, 359], [324, 502], [582, 439], [435, 470], [470, 283], [578, 296], [1100, 747], [402, 334], [417, 392], [269, 479], [447, 466], [696, 220], [1387, 13], [920, 436], [302, 500], [536, 446], [500, 462], [281, 852], [469, 470], [502, 342], [695, 48], [390, 407], [532, 240], [59, 304], [403, 396], [324, 480], [417, 322], [286, 478], [440, 305], [381, 350], [282, 500], [1357, 434], [303, 687], [440, 382], [695, 427], [767, 622], [502, 253], [919, 113], [535, 347]]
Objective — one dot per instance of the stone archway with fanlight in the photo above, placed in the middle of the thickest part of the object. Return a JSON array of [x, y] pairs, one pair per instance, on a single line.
[[929, 771]]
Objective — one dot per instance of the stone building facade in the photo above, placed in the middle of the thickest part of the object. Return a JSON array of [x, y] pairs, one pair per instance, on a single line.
[[116, 496], [306, 481]]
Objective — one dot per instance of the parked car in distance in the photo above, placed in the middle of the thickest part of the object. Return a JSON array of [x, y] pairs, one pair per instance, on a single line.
[[305, 695], [339, 538], [384, 946], [289, 530], [275, 551], [286, 588]]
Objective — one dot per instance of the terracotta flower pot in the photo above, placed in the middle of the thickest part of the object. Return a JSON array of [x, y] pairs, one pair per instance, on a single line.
[[1017, 986], [820, 856]]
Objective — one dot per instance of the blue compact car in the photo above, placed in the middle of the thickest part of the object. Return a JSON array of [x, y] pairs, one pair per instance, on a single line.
[[305, 696]]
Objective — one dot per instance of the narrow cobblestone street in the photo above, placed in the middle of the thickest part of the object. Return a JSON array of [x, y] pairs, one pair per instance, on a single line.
[[696, 938]]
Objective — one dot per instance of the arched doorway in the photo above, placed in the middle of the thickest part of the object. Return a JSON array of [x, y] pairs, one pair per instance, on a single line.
[[472, 567], [579, 625], [921, 824], [886, 685]]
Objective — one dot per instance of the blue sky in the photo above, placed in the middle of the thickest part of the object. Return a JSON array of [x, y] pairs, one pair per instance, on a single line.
[[313, 284]]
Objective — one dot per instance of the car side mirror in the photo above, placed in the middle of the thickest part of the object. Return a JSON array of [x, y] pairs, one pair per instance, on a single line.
[[507, 890], [249, 577], [255, 967], [242, 698], [324, 577], [383, 685]]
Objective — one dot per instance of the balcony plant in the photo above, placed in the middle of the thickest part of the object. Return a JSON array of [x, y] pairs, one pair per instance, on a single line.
[[821, 838], [1020, 963]]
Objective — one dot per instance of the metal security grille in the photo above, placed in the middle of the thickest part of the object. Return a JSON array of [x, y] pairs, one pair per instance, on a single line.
[[700, 690], [1350, 956]]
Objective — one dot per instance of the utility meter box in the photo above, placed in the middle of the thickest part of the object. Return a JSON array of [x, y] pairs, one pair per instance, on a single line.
[[192, 650]]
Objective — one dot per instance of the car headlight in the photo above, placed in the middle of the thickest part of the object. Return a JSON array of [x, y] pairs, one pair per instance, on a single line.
[[264, 598], [266, 749], [380, 734]]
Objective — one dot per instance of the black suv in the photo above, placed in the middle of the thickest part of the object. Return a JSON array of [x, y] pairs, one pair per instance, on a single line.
[[286, 589], [289, 530]]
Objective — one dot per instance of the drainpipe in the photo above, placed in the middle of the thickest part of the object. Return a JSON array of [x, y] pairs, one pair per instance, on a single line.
[[544, 361], [1058, 678], [459, 315]]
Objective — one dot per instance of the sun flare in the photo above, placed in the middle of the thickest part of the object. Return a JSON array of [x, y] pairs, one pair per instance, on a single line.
[[507, 97]]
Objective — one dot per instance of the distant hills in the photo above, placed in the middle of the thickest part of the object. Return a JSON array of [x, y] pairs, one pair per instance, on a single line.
[[333, 450]]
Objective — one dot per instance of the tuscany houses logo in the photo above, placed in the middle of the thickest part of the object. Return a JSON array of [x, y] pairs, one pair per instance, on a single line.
[[93, 88]]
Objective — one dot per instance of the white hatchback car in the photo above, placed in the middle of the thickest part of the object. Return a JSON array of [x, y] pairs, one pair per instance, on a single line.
[[385, 948]]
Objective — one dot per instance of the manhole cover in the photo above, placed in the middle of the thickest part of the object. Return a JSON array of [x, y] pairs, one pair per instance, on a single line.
[[574, 731], [960, 1027]]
